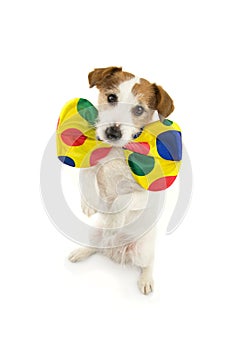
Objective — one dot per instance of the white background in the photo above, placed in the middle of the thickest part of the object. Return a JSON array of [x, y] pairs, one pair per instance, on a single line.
[[47, 50]]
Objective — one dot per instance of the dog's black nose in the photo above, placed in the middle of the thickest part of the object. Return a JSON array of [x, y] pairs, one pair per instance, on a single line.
[[113, 132]]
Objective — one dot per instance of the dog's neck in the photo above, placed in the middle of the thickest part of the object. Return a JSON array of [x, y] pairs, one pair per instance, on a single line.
[[116, 153]]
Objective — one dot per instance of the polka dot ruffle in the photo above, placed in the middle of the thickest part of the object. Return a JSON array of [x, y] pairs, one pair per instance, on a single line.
[[154, 157]]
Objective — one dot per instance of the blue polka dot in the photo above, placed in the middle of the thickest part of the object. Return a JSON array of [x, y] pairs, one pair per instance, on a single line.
[[67, 160], [169, 145]]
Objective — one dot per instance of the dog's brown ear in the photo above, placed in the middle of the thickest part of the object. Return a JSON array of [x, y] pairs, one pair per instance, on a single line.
[[98, 75], [164, 103]]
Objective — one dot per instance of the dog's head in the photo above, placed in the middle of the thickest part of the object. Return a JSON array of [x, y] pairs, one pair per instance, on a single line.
[[126, 104]]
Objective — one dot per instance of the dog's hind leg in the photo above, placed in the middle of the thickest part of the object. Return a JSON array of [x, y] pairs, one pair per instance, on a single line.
[[145, 282], [81, 254]]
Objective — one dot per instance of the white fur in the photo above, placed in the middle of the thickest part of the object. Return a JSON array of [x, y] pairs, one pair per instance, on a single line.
[[139, 253], [125, 91], [114, 180]]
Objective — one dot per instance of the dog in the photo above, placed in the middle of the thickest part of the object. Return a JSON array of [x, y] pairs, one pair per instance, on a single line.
[[126, 104]]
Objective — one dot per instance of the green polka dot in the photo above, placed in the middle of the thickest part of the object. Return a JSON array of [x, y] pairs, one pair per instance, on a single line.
[[87, 110], [167, 122], [140, 164]]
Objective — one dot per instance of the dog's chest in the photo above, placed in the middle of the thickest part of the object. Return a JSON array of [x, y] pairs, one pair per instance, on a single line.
[[114, 176]]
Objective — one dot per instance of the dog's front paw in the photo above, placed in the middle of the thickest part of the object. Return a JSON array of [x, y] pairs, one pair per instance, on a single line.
[[88, 211]]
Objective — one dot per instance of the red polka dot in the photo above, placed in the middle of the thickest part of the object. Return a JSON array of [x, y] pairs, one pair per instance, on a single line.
[[98, 154], [162, 183], [138, 147], [73, 137]]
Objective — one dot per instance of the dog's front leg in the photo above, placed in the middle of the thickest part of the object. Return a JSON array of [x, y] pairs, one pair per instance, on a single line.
[[88, 191]]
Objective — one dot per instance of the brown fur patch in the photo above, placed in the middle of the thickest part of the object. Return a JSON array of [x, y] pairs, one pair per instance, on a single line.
[[165, 105], [155, 97], [145, 93], [108, 78]]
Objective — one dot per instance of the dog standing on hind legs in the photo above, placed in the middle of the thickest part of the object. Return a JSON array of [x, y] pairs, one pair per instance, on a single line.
[[126, 105]]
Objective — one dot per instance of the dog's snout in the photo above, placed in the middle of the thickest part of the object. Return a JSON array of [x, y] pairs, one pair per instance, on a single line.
[[113, 132]]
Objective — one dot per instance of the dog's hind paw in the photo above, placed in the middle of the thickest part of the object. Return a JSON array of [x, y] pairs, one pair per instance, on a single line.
[[146, 287], [145, 282], [81, 254]]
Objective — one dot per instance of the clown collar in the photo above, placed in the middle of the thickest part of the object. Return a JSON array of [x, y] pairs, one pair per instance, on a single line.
[[153, 156]]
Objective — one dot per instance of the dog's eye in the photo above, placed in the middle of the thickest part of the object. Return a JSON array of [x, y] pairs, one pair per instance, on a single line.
[[112, 98], [138, 110]]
